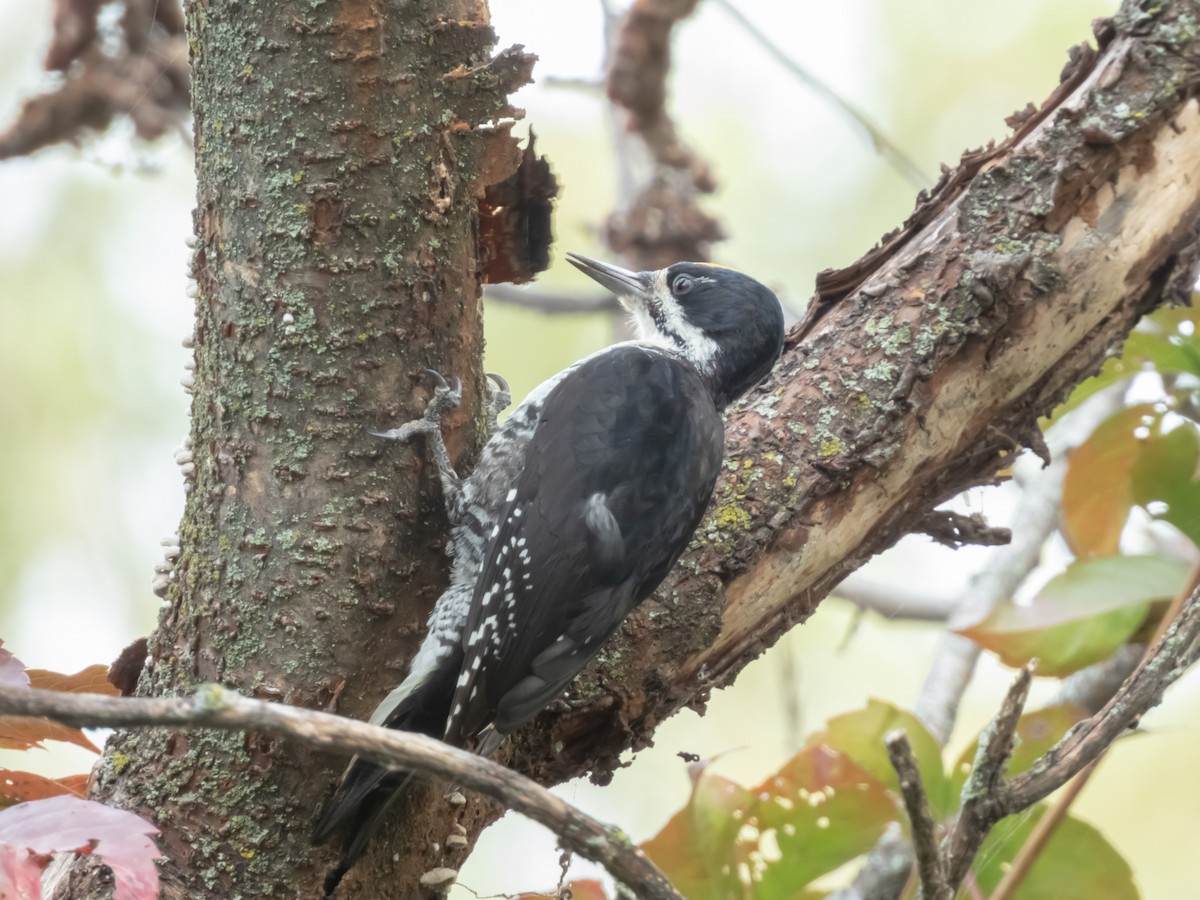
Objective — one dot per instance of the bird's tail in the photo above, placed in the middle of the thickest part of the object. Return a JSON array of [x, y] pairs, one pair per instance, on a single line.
[[363, 809], [367, 790]]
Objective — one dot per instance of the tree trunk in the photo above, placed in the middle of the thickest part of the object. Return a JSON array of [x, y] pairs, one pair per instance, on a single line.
[[334, 232], [338, 161]]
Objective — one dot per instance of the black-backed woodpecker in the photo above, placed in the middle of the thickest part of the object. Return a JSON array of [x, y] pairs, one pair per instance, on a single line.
[[580, 504]]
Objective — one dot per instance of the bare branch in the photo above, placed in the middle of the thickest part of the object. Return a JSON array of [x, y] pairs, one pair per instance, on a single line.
[[146, 79], [1040, 836], [1049, 822], [216, 707], [953, 529], [988, 797], [924, 829], [663, 223], [879, 141], [987, 776]]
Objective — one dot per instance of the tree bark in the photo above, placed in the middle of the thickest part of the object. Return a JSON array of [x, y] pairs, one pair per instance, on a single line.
[[309, 552], [338, 158]]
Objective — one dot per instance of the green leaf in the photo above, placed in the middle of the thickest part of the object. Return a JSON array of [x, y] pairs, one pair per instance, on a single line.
[[822, 810], [1165, 473], [1081, 616], [697, 848], [1167, 353], [1037, 732], [1076, 864], [859, 735], [1097, 492]]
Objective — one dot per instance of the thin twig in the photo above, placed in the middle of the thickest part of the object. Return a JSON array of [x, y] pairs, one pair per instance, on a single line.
[[924, 829], [546, 302], [216, 707], [1033, 846], [892, 600], [987, 776], [988, 798], [880, 142]]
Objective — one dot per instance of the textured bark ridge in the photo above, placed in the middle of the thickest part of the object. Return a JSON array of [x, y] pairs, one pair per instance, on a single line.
[[339, 154]]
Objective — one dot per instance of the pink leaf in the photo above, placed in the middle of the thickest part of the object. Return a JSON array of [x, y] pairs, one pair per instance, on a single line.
[[20, 873], [71, 825], [12, 670]]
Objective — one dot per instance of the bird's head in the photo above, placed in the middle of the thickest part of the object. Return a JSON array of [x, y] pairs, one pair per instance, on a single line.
[[726, 324]]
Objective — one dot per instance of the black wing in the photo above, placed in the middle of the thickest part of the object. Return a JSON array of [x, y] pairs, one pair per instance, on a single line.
[[620, 469]]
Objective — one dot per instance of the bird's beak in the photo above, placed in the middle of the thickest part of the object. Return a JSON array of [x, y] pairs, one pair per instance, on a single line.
[[628, 286]]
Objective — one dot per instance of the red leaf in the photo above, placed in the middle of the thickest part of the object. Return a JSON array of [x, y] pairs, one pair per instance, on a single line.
[[21, 733], [18, 787], [92, 680], [72, 825]]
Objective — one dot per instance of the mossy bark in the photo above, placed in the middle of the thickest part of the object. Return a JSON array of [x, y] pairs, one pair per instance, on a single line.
[[338, 159]]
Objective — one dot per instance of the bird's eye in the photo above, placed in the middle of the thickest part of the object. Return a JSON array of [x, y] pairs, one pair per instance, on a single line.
[[681, 285]]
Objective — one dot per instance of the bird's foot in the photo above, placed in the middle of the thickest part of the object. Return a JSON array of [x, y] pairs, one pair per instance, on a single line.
[[444, 399], [499, 399]]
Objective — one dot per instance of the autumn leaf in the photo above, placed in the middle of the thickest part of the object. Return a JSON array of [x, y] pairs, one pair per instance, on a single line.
[[1081, 616], [92, 680]]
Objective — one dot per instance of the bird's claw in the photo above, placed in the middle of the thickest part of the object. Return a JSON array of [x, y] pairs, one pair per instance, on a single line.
[[444, 399], [499, 397]]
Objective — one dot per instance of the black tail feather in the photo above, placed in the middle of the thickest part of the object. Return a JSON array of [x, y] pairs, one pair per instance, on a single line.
[[367, 791], [368, 813]]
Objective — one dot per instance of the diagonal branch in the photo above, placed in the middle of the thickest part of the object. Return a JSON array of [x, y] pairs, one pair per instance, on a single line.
[[216, 707], [917, 375], [988, 797], [916, 803]]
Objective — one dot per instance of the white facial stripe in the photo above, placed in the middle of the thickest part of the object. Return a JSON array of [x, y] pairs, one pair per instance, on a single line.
[[676, 333]]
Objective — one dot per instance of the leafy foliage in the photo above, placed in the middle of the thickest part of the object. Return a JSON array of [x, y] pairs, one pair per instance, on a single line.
[[44, 816], [19, 787]]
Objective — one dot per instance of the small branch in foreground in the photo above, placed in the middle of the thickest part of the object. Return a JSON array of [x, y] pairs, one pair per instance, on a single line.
[[987, 776], [989, 797], [924, 829], [216, 707], [1049, 822]]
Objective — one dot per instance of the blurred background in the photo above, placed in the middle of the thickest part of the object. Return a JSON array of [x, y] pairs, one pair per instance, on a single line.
[[93, 269]]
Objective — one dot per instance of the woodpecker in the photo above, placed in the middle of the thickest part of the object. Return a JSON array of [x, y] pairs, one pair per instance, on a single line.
[[580, 504]]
